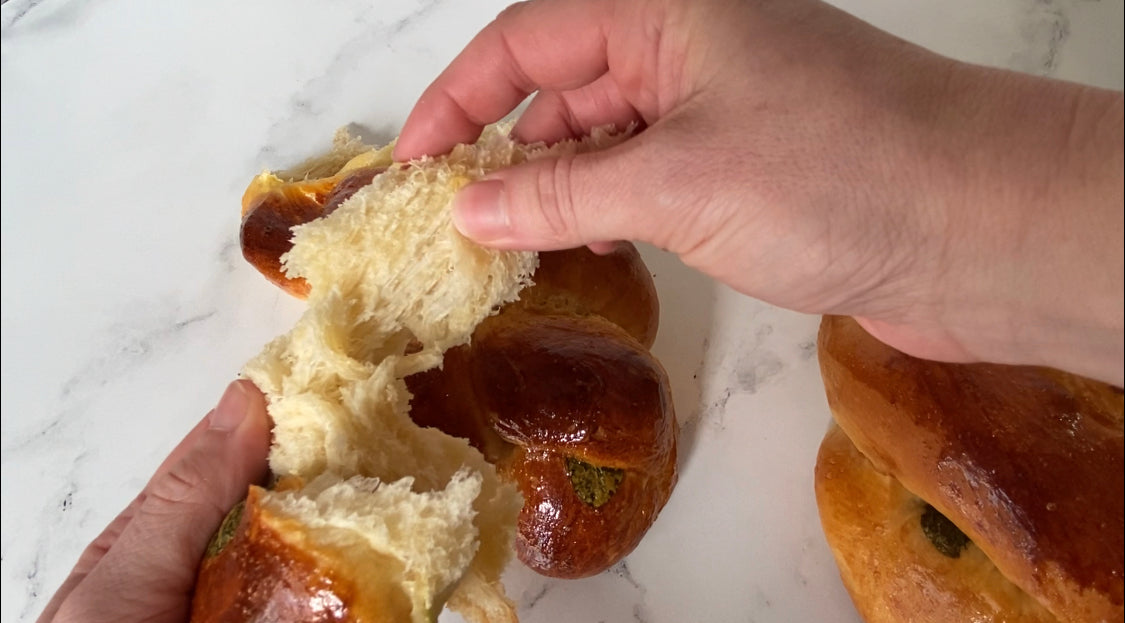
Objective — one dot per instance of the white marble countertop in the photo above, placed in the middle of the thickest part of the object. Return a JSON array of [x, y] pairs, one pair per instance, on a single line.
[[130, 129]]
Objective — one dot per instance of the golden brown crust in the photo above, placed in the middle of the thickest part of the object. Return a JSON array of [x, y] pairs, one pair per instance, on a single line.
[[444, 398], [576, 384], [891, 569], [613, 411], [1028, 462], [268, 572], [532, 391], [565, 373], [562, 374], [271, 208], [616, 286], [265, 232], [562, 536]]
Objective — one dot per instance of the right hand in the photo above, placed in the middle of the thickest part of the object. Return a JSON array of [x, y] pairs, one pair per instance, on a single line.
[[810, 160]]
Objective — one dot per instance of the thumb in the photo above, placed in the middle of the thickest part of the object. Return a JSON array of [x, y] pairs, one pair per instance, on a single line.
[[552, 203], [150, 568]]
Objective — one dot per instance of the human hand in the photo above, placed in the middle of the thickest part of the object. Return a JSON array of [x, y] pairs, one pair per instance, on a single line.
[[807, 159], [142, 567]]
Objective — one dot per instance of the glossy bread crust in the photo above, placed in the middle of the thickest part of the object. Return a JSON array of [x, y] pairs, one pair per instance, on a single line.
[[556, 399], [1028, 462], [613, 412], [272, 207], [888, 564], [615, 286], [269, 572]]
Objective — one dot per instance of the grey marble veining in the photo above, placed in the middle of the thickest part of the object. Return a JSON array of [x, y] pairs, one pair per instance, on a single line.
[[129, 132]]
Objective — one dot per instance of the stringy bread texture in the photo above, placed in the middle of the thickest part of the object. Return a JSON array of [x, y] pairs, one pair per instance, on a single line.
[[390, 275]]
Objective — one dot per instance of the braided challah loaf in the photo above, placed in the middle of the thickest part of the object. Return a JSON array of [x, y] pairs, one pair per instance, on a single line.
[[969, 492]]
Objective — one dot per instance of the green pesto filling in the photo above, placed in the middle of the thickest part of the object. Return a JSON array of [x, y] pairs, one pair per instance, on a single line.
[[946, 537], [226, 531], [594, 485]]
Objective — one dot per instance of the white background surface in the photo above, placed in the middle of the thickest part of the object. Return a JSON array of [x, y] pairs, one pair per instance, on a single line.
[[130, 129]]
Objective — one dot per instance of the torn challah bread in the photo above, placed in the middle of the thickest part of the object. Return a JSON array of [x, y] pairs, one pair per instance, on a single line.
[[969, 492], [373, 517]]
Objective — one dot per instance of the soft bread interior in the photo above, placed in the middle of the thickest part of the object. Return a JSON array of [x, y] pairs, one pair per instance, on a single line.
[[394, 285], [358, 516]]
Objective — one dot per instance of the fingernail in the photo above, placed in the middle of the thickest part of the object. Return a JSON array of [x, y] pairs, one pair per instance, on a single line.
[[231, 409], [480, 211]]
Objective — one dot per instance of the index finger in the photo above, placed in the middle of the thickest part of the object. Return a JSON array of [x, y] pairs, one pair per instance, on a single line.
[[540, 44]]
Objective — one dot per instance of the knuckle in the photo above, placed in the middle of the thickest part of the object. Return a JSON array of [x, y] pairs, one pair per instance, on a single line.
[[177, 485], [556, 199], [510, 11], [511, 15], [185, 485]]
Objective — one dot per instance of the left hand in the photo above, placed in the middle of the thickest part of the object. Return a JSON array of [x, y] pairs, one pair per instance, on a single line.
[[142, 567]]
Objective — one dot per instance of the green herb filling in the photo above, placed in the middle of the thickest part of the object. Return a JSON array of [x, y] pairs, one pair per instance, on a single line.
[[946, 537], [594, 485], [226, 531]]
